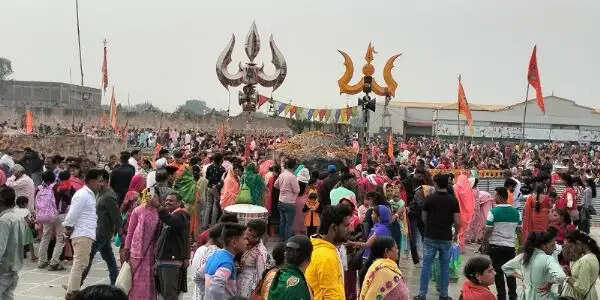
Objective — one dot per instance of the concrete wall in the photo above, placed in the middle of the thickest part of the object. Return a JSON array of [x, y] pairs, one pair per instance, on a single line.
[[38, 94]]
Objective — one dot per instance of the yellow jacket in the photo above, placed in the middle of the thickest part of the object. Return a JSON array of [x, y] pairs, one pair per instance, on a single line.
[[324, 273]]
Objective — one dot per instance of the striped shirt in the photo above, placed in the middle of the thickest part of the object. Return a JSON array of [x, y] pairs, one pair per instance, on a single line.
[[504, 220]]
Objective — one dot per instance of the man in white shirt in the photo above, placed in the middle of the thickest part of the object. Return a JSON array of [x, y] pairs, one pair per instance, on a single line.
[[80, 224], [133, 160]]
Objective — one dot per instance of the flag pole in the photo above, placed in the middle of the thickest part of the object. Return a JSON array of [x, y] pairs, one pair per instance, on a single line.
[[458, 118], [80, 60], [524, 114]]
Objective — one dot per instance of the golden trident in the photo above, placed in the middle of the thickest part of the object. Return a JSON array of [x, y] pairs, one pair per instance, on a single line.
[[367, 83]]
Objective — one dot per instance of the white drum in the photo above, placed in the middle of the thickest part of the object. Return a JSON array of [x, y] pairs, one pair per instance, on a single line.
[[247, 212]]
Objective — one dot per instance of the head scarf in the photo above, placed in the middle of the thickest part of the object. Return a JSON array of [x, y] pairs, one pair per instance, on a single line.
[[254, 182], [137, 184], [342, 193], [381, 279], [385, 215], [230, 189], [129, 202], [464, 194]]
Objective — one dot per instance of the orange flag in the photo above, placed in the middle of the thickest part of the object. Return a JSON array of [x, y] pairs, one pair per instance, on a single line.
[[463, 105], [114, 123], [390, 150], [533, 77], [28, 122]]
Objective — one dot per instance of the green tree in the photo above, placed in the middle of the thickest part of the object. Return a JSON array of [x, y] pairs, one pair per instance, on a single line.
[[145, 107], [193, 107], [5, 71]]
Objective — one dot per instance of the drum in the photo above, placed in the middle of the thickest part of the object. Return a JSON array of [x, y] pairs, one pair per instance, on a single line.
[[247, 212]]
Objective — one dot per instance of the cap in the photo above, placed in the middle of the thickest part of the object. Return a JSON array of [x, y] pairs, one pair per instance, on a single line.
[[331, 168], [304, 175]]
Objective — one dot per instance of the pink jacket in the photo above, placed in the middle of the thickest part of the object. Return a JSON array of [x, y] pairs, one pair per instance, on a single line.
[[288, 186]]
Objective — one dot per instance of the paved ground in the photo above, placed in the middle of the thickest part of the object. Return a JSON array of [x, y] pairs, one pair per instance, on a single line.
[[37, 284]]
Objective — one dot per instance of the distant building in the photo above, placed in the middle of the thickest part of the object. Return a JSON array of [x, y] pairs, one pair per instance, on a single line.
[[49, 95], [564, 120]]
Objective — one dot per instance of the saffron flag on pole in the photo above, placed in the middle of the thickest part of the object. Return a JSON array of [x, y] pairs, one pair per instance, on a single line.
[[113, 111], [463, 105], [28, 122], [533, 77], [104, 70]]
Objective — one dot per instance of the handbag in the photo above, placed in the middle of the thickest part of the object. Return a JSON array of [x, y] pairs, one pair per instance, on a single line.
[[573, 298], [244, 196], [125, 277], [123, 281]]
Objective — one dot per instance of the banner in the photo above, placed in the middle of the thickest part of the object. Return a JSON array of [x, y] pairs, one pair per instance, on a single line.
[[333, 116]]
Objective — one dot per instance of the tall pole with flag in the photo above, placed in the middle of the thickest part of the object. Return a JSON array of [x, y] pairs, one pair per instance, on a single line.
[[463, 105], [113, 111], [533, 79], [104, 70]]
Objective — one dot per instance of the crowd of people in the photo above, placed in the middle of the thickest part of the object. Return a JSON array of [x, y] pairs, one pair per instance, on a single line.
[[344, 231]]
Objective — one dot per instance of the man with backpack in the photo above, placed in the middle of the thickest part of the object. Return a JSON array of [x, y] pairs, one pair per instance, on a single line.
[[48, 215]]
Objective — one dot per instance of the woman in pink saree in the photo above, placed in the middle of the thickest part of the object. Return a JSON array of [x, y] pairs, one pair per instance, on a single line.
[[482, 206], [139, 247], [464, 195]]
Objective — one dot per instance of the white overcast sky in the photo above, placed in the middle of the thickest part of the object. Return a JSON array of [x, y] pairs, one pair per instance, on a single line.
[[165, 51]]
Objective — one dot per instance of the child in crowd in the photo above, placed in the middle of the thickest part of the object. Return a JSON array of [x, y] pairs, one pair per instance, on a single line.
[[362, 209], [220, 271], [255, 260], [22, 210], [311, 216]]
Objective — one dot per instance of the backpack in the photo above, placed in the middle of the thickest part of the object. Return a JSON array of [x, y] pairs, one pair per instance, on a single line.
[[45, 204]]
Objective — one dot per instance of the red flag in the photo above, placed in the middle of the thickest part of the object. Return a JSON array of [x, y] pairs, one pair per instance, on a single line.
[[533, 77], [261, 100], [28, 122], [390, 150], [322, 113], [104, 71], [114, 123]]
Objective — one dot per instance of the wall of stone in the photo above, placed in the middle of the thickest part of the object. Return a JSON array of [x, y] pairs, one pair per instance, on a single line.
[[95, 149], [92, 117]]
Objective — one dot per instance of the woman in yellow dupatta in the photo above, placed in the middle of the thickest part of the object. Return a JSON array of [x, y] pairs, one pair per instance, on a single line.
[[383, 279]]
